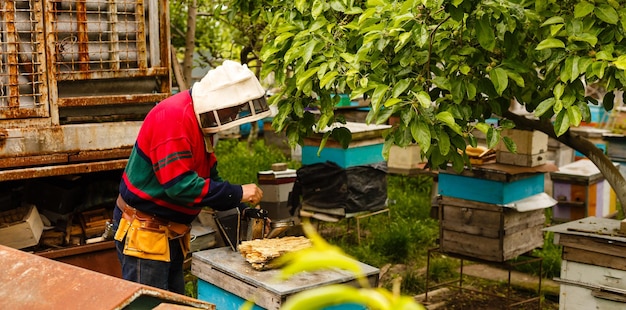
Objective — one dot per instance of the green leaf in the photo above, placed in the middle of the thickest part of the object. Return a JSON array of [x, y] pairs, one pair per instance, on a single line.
[[444, 143], [423, 98], [585, 37], [421, 133], [553, 20], [309, 48], [544, 106], [550, 43], [378, 95], [607, 14], [484, 32], [493, 137], [608, 101], [301, 5], [343, 136], [447, 118], [391, 101], [442, 82], [518, 79], [328, 78], [574, 115], [499, 79], [483, 127], [561, 124], [510, 144], [400, 87], [620, 62], [302, 79], [317, 9], [583, 9], [558, 90]]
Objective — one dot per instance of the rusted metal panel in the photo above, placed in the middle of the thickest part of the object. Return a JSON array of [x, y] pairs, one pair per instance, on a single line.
[[23, 88], [29, 281], [56, 170], [67, 139], [122, 99], [100, 257]]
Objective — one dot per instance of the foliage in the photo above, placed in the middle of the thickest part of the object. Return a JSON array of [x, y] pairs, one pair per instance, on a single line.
[[239, 164], [442, 66], [224, 29]]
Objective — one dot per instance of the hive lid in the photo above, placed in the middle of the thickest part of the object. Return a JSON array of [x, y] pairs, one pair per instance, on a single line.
[[534, 202]]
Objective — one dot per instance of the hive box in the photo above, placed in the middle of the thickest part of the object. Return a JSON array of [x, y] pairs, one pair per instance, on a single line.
[[21, 227], [581, 191], [491, 185], [526, 160], [227, 280], [406, 158], [276, 186], [365, 148], [528, 142], [490, 232], [593, 265]]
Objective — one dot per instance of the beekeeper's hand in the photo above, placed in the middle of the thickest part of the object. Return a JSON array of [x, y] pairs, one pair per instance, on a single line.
[[252, 194]]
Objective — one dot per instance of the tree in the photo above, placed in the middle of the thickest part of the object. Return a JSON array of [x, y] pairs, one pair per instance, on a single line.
[[216, 30], [446, 66]]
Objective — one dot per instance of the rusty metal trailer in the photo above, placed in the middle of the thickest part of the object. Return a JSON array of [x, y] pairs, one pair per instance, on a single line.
[[76, 79]]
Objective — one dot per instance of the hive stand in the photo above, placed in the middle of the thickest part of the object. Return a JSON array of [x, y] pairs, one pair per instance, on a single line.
[[458, 283]]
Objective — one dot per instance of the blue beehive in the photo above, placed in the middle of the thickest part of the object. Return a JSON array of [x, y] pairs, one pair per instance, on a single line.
[[366, 147], [492, 187]]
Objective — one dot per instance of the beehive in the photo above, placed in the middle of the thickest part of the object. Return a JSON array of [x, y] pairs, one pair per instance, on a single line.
[[488, 231]]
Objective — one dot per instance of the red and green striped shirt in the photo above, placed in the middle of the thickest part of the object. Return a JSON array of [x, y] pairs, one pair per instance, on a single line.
[[169, 173]]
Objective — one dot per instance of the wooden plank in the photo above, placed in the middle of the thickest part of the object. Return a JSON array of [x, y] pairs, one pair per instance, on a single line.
[[522, 242], [260, 296], [469, 245], [593, 258], [600, 246]]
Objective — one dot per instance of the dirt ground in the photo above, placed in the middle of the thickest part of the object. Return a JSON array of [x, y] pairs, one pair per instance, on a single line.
[[490, 297], [485, 288]]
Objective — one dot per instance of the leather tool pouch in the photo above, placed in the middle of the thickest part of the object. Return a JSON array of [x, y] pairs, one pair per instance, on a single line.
[[144, 242]]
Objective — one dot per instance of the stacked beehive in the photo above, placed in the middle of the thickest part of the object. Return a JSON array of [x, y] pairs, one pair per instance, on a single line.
[[495, 212]]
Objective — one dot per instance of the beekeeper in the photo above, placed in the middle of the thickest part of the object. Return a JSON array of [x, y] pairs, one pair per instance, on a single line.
[[172, 174]]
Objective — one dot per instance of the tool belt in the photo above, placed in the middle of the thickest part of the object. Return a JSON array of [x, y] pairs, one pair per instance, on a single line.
[[147, 236]]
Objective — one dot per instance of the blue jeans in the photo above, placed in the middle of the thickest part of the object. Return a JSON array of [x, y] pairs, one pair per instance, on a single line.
[[164, 275]]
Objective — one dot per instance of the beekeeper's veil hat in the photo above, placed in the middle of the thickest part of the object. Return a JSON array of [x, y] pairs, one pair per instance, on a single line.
[[228, 96]]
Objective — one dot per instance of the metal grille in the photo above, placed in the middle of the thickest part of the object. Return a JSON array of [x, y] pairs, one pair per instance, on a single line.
[[22, 79], [98, 36]]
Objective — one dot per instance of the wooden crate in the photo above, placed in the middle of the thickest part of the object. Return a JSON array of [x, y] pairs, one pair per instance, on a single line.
[[487, 231], [404, 157], [528, 142], [20, 227], [525, 160]]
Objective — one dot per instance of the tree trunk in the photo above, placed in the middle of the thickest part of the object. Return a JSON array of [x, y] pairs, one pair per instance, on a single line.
[[584, 146], [190, 42]]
